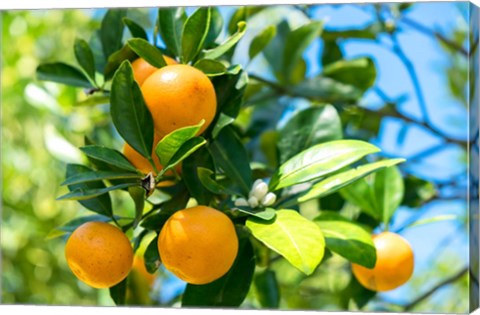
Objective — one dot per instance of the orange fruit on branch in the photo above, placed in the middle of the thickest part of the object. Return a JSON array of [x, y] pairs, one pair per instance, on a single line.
[[99, 254], [142, 69], [179, 96], [394, 265], [198, 244]]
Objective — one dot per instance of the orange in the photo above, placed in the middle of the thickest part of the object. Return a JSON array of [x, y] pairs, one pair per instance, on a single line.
[[394, 265], [179, 96], [142, 69], [198, 244], [143, 165], [99, 254]]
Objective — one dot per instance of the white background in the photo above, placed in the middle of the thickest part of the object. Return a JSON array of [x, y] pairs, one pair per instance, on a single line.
[[60, 310]]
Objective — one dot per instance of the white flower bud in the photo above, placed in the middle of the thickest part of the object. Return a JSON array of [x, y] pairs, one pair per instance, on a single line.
[[241, 202], [269, 199], [256, 183], [253, 201], [259, 191]]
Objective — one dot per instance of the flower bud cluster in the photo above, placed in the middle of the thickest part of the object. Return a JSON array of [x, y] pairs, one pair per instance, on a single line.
[[258, 196]]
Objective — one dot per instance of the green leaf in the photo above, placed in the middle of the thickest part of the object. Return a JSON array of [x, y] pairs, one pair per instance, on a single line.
[[83, 194], [261, 41], [151, 257], [267, 289], [130, 115], [231, 289], [230, 155], [388, 188], [361, 194], [359, 72], [170, 25], [368, 32], [327, 90], [84, 56], [347, 239], [170, 144], [216, 26], [194, 33], [111, 31], [307, 128], [435, 219], [331, 52], [135, 29], [94, 100], [228, 44], [150, 53], [205, 177], [296, 43], [98, 176], [138, 196], [265, 215], [118, 292], [116, 59], [107, 155], [342, 179], [60, 72], [297, 239], [187, 149], [101, 204], [229, 89], [320, 160], [199, 159], [222, 121], [417, 191], [210, 67], [72, 225]]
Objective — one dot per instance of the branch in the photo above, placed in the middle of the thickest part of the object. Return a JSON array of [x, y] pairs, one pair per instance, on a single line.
[[432, 290]]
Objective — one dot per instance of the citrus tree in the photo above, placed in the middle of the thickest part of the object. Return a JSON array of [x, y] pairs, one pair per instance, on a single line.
[[211, 185]]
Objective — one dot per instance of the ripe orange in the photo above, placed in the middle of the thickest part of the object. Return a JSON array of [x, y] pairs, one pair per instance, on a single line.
[[99, 254], [394, 266], [198, 244], [179, 96], [142, 69]]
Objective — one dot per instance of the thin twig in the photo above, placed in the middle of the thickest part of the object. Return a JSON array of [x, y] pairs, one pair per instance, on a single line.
[[432, 290]]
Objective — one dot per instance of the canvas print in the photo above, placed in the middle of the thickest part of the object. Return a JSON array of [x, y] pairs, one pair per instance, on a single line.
[[294, 157]]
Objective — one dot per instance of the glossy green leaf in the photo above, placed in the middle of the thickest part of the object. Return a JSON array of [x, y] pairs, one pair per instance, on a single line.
[[205, 177], [267, 289], [222, 121], [360, 194], [216, 26], [320, 160], [265, 215], [116, 59], [261, 41], [72, 225], [138, 196], [211, 68], [335, 182], [170, 25], [130, 115], [84, 56], [111, 31], [296, 43], [228, 44], [151, 257], [297, 239], [230, 155], [172, 142], [150, 53], [187, 149], [118, 292], [229, 89], [359, 72], [83, 194], [307, 128], [109, 156], [231, 289], [191, 178], [135, 29], [101, 204], [194, 33], [347, 239], [98, 176], [60, 72], [388, 188], [327, 90]]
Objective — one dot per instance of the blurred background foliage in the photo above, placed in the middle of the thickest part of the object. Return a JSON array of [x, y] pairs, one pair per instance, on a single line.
[[41, 129]]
